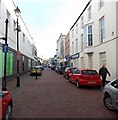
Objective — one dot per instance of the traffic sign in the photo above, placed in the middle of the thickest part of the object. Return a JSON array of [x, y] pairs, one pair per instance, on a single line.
[[5, 48]]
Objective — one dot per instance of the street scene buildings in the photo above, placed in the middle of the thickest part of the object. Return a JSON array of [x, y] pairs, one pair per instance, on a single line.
[[30, 89], [93, 38], [27, 50], [91, 41]]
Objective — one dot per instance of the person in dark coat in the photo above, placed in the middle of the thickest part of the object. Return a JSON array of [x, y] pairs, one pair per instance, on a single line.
[[103, 71]]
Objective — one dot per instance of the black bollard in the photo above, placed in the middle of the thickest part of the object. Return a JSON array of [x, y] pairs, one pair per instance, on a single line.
[[36, 74]]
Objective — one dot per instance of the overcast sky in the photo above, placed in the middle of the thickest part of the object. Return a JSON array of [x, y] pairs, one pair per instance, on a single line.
[[47, 19]]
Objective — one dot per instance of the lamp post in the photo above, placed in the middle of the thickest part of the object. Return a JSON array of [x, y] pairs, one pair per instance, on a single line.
[[17, 12], [5, 50]]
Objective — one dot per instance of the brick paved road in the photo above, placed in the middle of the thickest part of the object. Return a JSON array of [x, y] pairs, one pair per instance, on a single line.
[[52, 96]]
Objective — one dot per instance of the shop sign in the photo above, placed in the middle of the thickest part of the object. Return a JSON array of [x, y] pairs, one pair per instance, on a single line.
[[75, 56]]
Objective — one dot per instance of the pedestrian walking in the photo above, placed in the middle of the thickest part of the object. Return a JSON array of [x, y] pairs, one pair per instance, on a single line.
[[103, 71]]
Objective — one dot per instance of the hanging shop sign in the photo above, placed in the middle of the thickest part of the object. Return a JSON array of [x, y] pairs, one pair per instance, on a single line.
[[75, 56]]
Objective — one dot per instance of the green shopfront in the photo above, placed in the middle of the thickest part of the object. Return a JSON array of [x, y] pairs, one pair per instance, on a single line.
[[10, 61]]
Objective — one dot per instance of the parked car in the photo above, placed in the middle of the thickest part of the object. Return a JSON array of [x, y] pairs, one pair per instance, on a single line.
[[61, 69], [41, 67], [56, 69], [6, 104], [110, 95], [35, 69], [68, 71], [52, 67], [85, 77]]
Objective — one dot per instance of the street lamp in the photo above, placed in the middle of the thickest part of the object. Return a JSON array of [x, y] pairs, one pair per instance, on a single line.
[[17, 12], [5, 50]]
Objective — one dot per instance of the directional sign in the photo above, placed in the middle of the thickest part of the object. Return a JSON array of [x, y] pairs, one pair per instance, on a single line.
[[5, 48]]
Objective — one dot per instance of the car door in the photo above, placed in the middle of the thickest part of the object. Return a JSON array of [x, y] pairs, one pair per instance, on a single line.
[[75, 75], [115, 92]]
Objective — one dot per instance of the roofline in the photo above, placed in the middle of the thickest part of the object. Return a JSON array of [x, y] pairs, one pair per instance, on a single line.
[[81, 14]]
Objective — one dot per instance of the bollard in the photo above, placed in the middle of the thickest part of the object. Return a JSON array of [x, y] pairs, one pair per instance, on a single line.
[[36, 74]]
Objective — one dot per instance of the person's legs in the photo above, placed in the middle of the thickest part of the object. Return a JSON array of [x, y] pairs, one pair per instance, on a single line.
[[103, 81]]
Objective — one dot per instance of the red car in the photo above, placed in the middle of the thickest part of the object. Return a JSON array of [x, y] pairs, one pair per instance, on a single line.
[[85, 77], [6, 104], [68, 71]]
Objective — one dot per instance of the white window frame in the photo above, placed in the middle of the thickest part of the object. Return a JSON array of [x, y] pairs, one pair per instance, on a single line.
[[73, 32], [76, 28], [102, 29], [24, 37], [82, 41], [87, 35], [89, 13], [101, 3], [82, 21], [102, 58], [76, 45], [8, 17]]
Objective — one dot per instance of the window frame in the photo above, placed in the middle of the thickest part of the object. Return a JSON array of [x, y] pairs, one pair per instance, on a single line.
[[102, 29]]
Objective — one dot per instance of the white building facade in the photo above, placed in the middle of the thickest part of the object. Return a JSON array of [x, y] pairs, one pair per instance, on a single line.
[[94, 37], [60, 49], [28, 51]]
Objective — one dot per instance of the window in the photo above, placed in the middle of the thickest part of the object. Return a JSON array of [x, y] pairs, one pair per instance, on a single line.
[[8, 17], [101, 3], [82, 46], [102, 30], [88, 39], [82, 21], [0, 8], [76, 45], [76, 28], [23, 37], [72, 32], [89, 13], [89, 72], [115, 83], [72, 47], [102, 57], [14, 25], [90, 60]]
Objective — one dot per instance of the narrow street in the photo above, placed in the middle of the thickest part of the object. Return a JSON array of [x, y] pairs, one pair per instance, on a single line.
[[52, 96]]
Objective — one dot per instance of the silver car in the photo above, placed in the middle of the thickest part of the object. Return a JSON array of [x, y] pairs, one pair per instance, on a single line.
[[110, 96]]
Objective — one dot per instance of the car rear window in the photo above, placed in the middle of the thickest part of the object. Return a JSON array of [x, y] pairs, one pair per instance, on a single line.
[[89, 72]]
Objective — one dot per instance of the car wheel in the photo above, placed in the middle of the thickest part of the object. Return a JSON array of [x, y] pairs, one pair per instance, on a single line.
[[108, 102], [8, 112], [77, 84]]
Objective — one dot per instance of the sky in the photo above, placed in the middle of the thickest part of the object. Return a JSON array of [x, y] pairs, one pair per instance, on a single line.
[[47, 19]]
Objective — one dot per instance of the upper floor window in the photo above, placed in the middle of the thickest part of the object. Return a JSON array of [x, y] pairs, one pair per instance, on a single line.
[[102, 30], [8, 16], [0, 8], [72, 32], [82, 21], [76, 45], [72, 47], [90, 40], [23, 37], [14, 25], [88, 37], [76, 28], [89, 13], [82, 42], [101, 3]]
